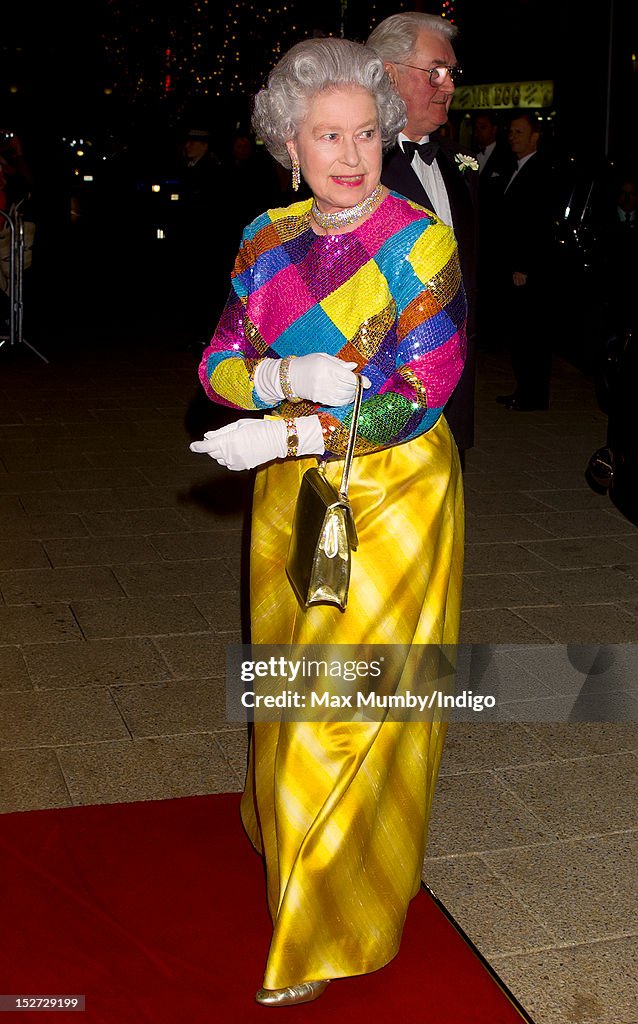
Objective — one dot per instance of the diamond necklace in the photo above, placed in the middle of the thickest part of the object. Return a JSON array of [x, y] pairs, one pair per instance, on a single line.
[[349, 216]]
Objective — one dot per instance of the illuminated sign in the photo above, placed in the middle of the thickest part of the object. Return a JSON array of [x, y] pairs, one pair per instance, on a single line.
[[504, 96]]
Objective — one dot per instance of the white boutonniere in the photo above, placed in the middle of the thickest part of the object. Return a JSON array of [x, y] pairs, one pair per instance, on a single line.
[[464, 161]]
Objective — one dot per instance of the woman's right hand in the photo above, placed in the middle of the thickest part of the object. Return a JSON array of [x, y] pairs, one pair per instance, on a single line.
[[324, 379], [318, 377]]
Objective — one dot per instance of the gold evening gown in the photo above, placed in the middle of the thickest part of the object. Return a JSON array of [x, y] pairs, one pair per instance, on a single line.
[[339, 810]]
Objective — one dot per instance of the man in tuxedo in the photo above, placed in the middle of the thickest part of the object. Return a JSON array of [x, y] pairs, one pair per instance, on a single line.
[[419, 58], [496, 164], [525, 240]]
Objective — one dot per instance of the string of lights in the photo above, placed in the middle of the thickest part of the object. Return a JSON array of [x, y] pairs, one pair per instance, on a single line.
[[205, 49]]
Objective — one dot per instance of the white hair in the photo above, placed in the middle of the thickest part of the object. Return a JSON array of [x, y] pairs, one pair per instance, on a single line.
[[311, 67], [394, 40]]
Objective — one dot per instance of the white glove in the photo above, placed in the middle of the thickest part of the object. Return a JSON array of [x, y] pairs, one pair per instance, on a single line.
[[318, 377], [245, 444]]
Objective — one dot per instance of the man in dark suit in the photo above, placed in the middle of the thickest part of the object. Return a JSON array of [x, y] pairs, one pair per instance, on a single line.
[[496, 164], [419, 58], [525, 239]]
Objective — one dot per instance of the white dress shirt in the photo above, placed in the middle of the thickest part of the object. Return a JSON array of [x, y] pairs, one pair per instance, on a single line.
[[483, 157], [520, 163], [432, 180]]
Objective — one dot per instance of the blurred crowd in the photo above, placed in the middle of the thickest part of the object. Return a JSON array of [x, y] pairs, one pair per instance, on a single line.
[[149, 233]]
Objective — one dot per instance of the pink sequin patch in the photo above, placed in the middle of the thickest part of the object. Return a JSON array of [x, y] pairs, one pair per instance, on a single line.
[[278, 303], [440, 370]]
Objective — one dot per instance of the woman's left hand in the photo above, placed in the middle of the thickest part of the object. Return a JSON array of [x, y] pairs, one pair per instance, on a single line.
[[245, 444]]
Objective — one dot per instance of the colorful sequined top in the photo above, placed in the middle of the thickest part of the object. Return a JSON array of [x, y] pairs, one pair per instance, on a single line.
[[387, 295]]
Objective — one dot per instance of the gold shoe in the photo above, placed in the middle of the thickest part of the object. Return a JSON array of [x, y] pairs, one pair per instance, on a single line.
[[291, 996]]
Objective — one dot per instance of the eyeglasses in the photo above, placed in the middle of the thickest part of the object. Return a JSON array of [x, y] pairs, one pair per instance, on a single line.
[[439, 74]]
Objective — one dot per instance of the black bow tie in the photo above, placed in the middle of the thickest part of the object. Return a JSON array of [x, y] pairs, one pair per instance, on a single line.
[[426, 150]]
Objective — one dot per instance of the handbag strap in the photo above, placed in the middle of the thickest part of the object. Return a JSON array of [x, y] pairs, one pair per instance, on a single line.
[[354, 426]]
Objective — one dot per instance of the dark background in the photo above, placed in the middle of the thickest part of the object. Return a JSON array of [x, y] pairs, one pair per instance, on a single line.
[[59, 58], [129, 76]]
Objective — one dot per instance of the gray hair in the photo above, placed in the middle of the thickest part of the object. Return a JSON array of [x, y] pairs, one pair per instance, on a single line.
[[394, 39], [311, 67]]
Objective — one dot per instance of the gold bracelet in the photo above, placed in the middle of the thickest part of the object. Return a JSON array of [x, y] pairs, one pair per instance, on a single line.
[[292, 439], [284, 379]]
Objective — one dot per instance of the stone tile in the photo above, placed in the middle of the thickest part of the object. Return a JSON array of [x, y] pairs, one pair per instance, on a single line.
[[584, 739], [191, 546], [201, 518], [207, 575], [131, 770], [51, 502], [172, 710], [133, 498], [138, 616], [494, 918], [580, 669], [22, 554], [631, 543], [596, 585], [202, 656], [491, 669], [94, 663], [100, 551], [58, 717], [474, 813], [501, 557], [13, 670], [588, 708], [142, 522], [582, 623], [32, 586], [222, 610], [574, 886], [501, 502], [475, 747], [571, 499], [594, 983], [98, 479], [499, 590], [578, 523], [105, 459], [478, 460], [578, 553], [32, 780], [572, 477], [50, 462], [579, 798], [32, 625], [234, 746], [494, 528], [43, 527], [498, 626], [10, 505], [544, 460], [25, 483], [492, 481]]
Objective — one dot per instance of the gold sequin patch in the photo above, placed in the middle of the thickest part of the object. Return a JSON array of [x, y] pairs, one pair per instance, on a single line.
[[421, 308], [373, 330]]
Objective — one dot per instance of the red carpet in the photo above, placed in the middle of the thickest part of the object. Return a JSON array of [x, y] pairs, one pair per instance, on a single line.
[[156, 913]]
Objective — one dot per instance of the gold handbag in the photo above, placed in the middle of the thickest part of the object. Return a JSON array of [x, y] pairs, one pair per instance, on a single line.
[[324, 533]]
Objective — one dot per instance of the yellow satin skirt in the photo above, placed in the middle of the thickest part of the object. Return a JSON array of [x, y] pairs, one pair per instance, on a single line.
[[339, 810]]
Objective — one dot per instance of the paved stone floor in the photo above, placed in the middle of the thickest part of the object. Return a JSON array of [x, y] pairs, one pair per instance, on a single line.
[[120, 561]]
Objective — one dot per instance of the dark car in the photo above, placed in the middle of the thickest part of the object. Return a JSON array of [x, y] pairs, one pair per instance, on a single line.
[[614, 467]]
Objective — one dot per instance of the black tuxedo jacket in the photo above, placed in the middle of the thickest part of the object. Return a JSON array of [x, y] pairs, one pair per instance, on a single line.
[[493, 178], [526, 221], [461, 188]]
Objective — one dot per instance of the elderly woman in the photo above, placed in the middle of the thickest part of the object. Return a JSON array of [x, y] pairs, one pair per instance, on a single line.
[[355, 279]]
